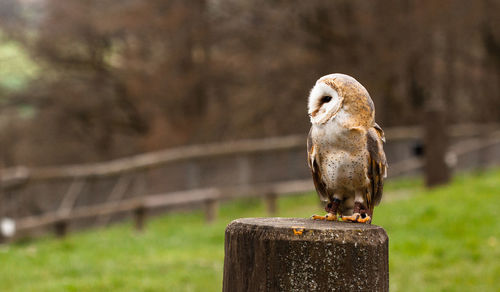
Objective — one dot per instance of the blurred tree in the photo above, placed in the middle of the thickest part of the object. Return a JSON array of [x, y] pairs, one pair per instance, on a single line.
[[122, 77]]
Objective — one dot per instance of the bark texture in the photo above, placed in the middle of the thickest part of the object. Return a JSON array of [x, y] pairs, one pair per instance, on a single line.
[[290, 254]]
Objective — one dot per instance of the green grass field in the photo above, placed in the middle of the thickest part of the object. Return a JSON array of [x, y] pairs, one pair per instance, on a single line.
[[446, 239]]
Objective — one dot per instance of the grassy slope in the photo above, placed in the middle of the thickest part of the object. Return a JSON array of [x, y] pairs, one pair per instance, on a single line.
[[447, 239]]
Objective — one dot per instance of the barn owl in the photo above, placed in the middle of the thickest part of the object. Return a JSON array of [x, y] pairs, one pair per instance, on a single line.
[[345, 149]]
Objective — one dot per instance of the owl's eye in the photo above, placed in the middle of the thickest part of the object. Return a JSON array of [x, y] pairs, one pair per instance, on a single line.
[[326, 99]]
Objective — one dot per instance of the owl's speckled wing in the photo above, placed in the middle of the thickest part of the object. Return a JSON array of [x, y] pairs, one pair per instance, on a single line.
[[312, 161], [377, 166], [380, 132]]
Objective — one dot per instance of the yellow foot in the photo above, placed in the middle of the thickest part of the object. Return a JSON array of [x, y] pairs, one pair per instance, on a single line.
[[318, 217], [353, 218], [328, 217], [356, 217], [364, 220]]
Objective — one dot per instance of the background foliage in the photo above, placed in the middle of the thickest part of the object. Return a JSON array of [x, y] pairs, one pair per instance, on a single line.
[[112, 78]]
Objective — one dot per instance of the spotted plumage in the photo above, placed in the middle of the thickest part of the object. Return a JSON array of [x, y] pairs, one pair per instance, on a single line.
[[345, 148]]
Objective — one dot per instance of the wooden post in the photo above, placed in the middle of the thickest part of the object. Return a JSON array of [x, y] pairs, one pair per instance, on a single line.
[[61, 228], [140, 218], [271, 200], [289, 254], [211, 210], [3, 238], [119, 189], [437, 171]]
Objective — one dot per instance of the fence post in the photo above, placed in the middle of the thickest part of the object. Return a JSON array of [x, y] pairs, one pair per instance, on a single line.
[[61, 228], [211, 210], [289, 254], [140, 218], [271, 200], [437, 172]]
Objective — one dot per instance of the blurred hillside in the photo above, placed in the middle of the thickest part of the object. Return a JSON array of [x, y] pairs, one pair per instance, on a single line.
[[101, 79]]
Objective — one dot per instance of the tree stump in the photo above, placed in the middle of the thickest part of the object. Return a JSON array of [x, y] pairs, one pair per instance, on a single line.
[[290, 254]]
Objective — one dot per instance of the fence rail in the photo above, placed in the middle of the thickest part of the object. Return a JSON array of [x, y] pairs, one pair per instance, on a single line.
[[198, 175], [20, 174], [209, 197]]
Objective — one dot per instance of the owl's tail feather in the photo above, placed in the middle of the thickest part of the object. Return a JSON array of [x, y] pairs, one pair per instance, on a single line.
[[370, 213]]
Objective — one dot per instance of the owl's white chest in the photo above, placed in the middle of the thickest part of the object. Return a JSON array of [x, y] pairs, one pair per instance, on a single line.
[[342, 156]]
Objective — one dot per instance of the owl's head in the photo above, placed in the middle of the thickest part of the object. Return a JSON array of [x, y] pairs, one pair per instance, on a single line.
[[335, 92]]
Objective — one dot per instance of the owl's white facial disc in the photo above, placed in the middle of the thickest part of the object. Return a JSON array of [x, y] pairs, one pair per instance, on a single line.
[[324, 103]]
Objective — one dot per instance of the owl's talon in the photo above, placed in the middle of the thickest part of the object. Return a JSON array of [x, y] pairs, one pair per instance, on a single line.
[[331, 217], [353, 218], [364, 220], [327, 217], [357, 217], [318, 217]]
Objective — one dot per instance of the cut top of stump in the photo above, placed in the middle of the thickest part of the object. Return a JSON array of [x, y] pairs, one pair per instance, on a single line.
[[310, 230]]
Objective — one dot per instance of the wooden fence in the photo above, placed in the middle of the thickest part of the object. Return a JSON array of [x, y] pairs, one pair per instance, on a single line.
[[56, 198]]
